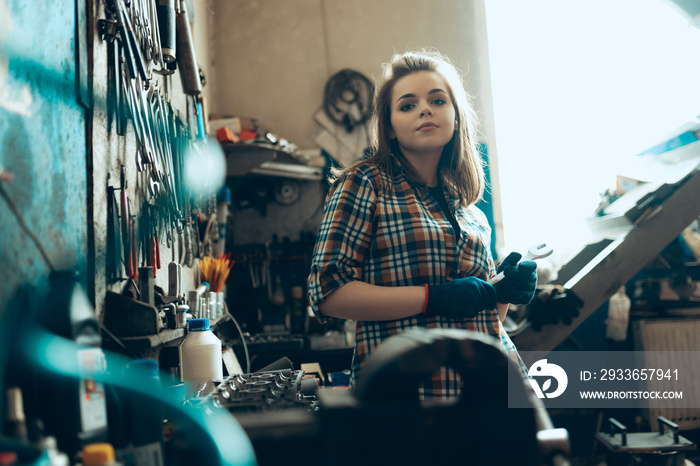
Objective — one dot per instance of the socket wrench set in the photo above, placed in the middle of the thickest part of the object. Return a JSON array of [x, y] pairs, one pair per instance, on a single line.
[[265, 391]]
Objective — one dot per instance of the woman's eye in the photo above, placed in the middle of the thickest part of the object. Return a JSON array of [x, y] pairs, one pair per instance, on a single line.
[[406, 107], [439, 102]]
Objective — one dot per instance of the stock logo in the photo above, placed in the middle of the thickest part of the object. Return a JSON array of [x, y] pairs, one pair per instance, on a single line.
[[544, 370]]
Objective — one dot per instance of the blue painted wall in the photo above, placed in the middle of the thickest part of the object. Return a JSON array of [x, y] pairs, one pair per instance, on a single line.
[[486, 204], [43, 144]]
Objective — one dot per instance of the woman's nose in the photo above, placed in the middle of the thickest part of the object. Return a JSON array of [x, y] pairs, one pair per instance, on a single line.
[[426, 110]]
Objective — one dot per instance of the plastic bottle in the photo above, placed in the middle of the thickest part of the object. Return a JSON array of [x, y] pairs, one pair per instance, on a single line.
[[99, 454], [200, 354], [15, 422], [618, 316], [51, 456]]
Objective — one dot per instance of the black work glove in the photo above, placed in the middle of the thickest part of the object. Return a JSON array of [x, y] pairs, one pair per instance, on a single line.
[[460, 298], [552, 304], [519, 282]]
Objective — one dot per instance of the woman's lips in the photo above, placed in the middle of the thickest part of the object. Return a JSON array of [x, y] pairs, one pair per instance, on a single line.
[[427, 126]]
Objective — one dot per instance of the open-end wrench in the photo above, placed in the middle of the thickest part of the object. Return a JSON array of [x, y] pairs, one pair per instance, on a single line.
[[536, 251], [157, 48]]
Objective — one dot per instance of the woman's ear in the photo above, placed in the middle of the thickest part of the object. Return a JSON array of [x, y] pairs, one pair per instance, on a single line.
[[392, 134]]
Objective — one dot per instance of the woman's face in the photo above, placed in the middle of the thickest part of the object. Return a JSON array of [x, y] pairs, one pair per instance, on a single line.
[[422, 115]]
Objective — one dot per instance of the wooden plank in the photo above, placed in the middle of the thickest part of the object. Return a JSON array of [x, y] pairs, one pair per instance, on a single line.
[[620, 261]]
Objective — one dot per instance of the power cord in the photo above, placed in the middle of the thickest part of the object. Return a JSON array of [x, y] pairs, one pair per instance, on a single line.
[[347, 98], [6, 176], [245, 345]]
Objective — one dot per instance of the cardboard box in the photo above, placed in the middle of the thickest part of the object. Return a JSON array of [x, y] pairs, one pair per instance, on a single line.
[[235, 124]]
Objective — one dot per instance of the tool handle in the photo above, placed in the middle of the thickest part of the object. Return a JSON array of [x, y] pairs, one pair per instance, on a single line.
[[134, 253], [166, 27], [530, 256], [132, 45], [126, 43], [496, 278], [186, 56], [152, 255], [157, 241]]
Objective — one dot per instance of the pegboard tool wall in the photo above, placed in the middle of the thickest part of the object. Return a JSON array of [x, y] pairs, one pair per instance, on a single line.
[[61, 150]]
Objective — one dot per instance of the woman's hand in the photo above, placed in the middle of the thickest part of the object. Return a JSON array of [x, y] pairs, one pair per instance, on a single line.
[[519, 282], [460, 298]]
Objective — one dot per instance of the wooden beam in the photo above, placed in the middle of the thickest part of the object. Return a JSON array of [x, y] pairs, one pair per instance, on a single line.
[[621, 260]]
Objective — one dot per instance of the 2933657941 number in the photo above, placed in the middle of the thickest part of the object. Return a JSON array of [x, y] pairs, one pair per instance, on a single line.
[[639, 374]]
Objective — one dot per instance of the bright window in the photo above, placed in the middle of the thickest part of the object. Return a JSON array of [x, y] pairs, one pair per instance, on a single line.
[[579, 88]]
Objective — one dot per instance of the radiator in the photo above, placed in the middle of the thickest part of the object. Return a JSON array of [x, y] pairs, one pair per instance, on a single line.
[[678, 334]]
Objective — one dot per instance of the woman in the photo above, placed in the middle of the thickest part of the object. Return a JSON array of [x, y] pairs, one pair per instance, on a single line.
[[401, 243]]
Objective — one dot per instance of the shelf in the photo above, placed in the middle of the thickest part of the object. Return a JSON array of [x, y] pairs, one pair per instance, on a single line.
[[149, 346], [158, 339], [242, 158], [268, 160]]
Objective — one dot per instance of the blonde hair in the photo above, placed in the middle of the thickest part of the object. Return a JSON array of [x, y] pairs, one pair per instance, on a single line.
[[461, 166]]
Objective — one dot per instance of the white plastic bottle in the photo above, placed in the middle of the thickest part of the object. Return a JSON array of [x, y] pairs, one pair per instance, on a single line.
[[200, 354], [618, 316]]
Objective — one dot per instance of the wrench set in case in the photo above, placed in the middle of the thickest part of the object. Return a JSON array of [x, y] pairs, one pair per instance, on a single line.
[[265, 391]]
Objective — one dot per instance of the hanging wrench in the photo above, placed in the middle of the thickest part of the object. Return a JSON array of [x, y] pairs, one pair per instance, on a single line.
[[536, 251]]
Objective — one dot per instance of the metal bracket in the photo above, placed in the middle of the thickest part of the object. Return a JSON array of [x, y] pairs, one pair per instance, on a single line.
[[107, 29]]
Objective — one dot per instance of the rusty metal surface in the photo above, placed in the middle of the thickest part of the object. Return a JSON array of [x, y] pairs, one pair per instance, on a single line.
[[43, 144]]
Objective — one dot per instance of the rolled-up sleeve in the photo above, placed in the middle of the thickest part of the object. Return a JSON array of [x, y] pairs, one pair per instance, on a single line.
[[345, 234]]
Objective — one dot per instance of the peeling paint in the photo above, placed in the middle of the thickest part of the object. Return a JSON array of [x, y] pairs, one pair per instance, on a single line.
[[43, 144], [5, 21], [16, 101]]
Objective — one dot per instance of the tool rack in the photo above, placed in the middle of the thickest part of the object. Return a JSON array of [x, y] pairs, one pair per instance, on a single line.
[[620, 259]]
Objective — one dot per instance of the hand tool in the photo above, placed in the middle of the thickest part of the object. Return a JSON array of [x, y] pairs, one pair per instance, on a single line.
[[157, 241], [134, 249], [114, 242], [126, 232], [148, 98], [153, 255], [121, 90], [129, 37], [109, 32], [144, 137], [536, 251], [166, 25], [140, 117], [186, 56], [189, 234], [155, 34], [131, 92], [130, 47], [164, 138], [146, 32]]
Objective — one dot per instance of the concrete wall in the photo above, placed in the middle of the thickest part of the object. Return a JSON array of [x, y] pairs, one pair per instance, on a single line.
[[271, 58]]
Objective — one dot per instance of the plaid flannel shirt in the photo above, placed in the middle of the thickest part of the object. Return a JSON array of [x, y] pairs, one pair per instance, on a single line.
[[400, 237]]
